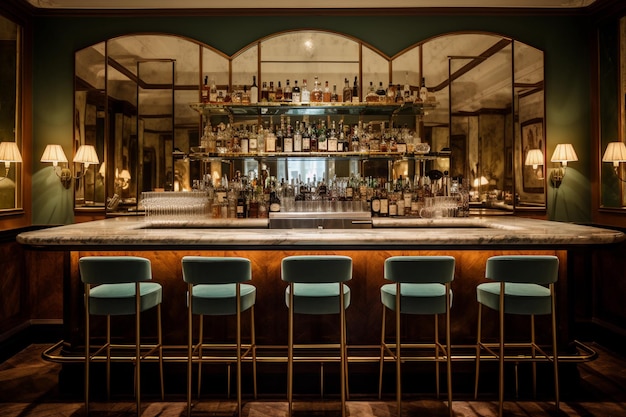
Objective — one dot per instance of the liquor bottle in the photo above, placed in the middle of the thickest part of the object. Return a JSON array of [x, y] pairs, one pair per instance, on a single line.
[[355, 90], [407, 89], [287, 92], [305, 94], [317, 94], [271, 93], [306, 138], [241, 206], [254, 91], [205, 90], [349, 192], [280, 134], [393, 205], [375, 204], [371, 96], [355, 144], [265, 92], [313, 139], [288, 139], [278, 96], [347, 92], [391, 93], [381, 93], [252, 141], [213, 92], [274, 202], [244, 142], [401, 204], [297, 138], [399, 99], [423, 91], [245, 96], [295, 93], [332, 139], [326, 96], [322, 142], [334, 97], [384, 203]]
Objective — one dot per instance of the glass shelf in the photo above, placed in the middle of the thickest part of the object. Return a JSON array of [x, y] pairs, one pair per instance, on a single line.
[[310, 155]]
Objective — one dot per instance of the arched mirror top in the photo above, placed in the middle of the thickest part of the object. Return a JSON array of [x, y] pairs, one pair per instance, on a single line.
[[467, 75]]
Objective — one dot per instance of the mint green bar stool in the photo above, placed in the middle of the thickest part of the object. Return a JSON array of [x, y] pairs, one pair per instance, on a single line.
[[527, 282], [216, 287], [119, 286], [316, 286], [421, 285]]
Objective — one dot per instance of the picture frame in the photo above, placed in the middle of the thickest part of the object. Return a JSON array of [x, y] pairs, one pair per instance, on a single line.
[[532, 138]]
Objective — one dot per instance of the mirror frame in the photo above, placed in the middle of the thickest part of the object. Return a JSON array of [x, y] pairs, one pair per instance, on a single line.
[[16, 169], [515, 164]]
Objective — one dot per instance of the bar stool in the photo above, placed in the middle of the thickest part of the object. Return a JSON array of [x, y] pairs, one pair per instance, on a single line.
[[421, 285], [316, 286], [114, 286], [216, 288], [527, 282]]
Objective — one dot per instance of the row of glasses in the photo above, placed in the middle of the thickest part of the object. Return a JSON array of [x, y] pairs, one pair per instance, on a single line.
[[175, 205]]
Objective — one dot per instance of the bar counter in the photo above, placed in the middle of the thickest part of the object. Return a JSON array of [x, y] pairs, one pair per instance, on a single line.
[[470, 240]]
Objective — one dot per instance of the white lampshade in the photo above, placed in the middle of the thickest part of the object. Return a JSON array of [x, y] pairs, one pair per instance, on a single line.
[[54, 154], [534, 158], [564, 153], [125, 175], [615, 153], [480, 181], [86, 154], [9, 152]]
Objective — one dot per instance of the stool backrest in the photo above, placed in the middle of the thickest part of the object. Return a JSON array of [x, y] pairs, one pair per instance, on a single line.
[[216, 270], [316, 268], [536, 269], [420, 269], [114, 269]]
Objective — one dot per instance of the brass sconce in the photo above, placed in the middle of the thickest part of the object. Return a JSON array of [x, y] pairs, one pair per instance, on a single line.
[[9, 152], [534, 158], [55, 154], [563, 153], [615, 152], [85, 155]]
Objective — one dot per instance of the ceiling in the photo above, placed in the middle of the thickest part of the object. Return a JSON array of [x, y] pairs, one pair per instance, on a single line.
[[290, 4]]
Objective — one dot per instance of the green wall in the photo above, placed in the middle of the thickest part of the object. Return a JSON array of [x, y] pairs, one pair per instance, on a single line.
[[563, 39]]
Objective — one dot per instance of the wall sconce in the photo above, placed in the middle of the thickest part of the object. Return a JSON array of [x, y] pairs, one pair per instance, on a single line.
[[615, 152], [563, 153], [55, 154], [86, 155], [9, 152], [122, 179], [534, 157]]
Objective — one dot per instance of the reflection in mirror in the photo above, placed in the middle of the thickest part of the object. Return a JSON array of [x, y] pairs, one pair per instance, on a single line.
[[10, 179], [485, 95]]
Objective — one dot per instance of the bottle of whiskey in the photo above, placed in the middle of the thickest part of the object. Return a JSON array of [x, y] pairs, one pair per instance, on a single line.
[[355, 90], [205, 90], [347, 92], [371, 96], [295, 93], [381, 93], [334, 97], [317, 93], [254, 91], [265, 92], [278, 95], [423, 91], [297, 138], [271, 93], [326, 96], [287, 92], [213, 92], [306, 138], [332, 139], [305, 94]]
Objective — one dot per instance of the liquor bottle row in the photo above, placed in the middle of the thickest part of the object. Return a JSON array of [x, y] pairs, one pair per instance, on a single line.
[[318, 94], [256, 198], [304, 136]]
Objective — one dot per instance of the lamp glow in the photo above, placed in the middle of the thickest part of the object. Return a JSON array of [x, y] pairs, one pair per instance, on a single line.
[[534, 157], [564, 153], [9, 152], [86, 155], [54, 153], [615, 153]]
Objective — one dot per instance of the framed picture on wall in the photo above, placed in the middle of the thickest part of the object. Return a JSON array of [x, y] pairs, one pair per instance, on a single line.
[[532, 138]]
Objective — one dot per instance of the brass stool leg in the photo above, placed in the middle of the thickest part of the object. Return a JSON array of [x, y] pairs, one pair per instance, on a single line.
[[138, 346], [160, 342], [555, 352], [533, 353], [382, 355], [200, 338], [345, 345], [448, 351], [342, 320], [108, 352], [437, 382], [238, 306], [87, 349], [189, 346], [501, 353], [253, 340], [290, 353], [398, 354], [478, 344]]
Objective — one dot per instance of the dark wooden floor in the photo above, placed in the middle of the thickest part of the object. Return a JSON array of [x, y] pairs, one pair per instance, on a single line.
[[29, 388]]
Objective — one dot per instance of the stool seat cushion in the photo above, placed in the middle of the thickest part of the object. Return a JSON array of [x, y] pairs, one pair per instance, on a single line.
[[119, 299], [318, 298], [416, 298], [519, 298], [221, 299]]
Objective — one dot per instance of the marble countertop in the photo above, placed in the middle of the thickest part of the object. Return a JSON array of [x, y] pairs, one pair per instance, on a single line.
[[501, 231]]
